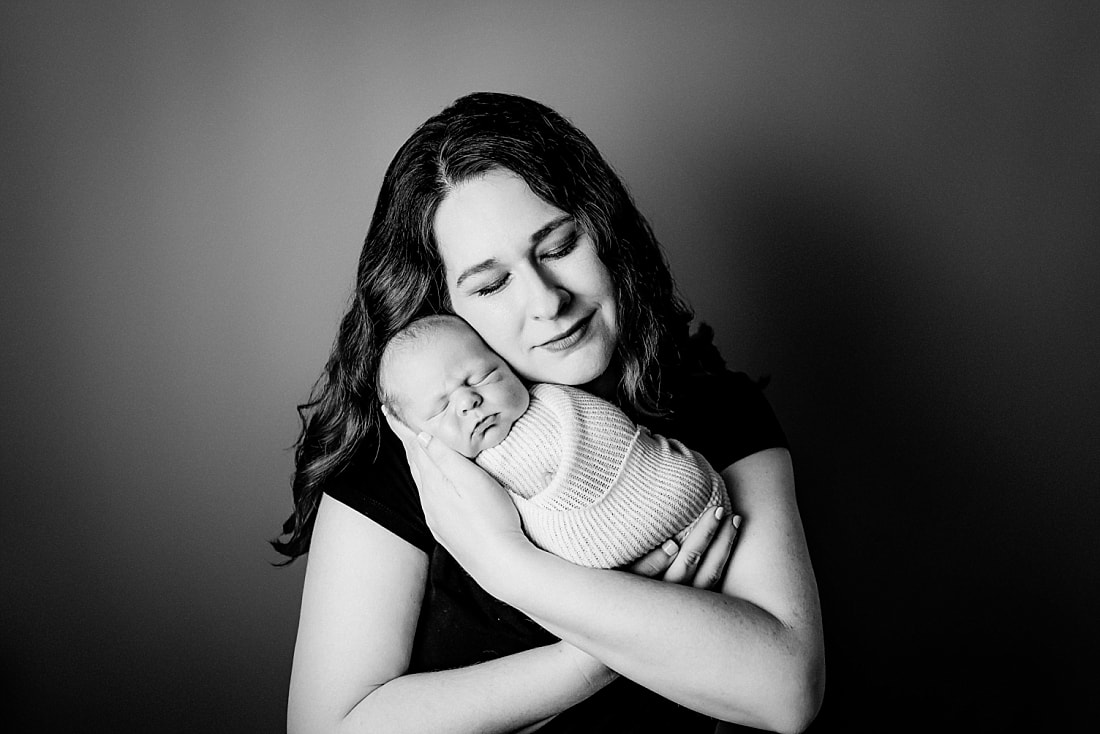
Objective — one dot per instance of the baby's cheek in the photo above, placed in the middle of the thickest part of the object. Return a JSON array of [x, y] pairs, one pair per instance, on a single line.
[[470, 449], [454, 440], [520, 399]]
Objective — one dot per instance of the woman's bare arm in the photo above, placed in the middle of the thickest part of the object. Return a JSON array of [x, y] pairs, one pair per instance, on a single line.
[[752, 654], [360, 604]]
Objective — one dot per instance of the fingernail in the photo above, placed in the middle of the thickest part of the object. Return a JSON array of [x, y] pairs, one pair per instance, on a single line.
[[424, 438], [736, 521], [719, 512], [670, 547]]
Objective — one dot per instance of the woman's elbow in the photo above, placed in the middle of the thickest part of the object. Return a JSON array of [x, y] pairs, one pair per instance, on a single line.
[[307, 717], [299, 721], [802, 697], [786, 701]]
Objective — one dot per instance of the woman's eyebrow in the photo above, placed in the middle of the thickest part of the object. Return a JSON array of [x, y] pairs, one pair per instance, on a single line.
[[481, 267], [540, 234], [549, 227]]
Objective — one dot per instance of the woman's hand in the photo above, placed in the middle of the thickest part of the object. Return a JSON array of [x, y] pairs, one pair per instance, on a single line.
[[468, 512], [701, 561]]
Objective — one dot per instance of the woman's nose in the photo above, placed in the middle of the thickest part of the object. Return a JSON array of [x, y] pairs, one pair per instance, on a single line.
[[547, 299]]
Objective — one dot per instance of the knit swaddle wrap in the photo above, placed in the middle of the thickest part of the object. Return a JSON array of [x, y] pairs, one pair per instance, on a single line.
[[593, 488]]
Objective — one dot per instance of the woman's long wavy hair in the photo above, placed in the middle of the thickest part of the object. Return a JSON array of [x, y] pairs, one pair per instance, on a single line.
[[400, 275]]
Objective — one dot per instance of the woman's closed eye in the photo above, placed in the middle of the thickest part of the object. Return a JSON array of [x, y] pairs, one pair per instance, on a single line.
[[565, 247], [492, 287]]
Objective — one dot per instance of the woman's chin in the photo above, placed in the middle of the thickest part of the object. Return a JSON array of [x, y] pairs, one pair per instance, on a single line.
[[588, 373]]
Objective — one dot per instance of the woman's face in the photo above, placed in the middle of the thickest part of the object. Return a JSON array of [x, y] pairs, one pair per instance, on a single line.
[[524, 275]]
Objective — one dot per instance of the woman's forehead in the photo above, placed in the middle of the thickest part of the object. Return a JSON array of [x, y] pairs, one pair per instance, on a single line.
[[494, 216]]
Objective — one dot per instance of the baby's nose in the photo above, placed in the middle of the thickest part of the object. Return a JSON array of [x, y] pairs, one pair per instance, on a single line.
[[468, 400]]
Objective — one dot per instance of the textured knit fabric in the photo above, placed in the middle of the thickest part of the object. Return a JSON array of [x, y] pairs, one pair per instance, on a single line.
[[593, 488]]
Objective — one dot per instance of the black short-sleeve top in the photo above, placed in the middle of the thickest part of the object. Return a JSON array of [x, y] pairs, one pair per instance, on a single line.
[[723, 416]]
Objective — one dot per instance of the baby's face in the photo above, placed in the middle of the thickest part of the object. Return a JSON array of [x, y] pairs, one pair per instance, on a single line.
[[451, 385]]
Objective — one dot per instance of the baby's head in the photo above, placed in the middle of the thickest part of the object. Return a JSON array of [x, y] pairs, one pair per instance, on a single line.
[[437, 375]]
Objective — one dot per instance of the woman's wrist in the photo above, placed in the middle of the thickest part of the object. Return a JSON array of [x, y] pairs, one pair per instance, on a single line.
[[507, 566], [594, 672]]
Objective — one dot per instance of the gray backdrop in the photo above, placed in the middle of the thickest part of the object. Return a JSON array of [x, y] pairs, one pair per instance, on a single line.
[[889, 208]]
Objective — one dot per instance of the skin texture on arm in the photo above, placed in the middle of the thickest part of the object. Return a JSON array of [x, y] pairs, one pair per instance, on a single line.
[[752, 654], [360, 604]]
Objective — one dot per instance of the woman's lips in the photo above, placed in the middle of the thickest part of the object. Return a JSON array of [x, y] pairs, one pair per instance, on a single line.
[[569, 337]]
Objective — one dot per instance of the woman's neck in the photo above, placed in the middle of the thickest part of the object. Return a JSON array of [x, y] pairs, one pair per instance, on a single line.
[[605, 386]]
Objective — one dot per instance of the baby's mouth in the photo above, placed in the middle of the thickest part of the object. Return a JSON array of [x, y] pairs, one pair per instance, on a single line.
[[483, 425]]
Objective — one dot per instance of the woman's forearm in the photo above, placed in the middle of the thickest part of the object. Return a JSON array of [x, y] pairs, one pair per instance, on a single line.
[[753, 654], [502, 695], [360, 604], [717, 654]]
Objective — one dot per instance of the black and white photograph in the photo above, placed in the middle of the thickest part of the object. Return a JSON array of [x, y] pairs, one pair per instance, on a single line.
[[608, 366]]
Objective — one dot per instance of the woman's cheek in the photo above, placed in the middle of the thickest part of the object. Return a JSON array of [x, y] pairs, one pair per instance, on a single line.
[[498, 327]]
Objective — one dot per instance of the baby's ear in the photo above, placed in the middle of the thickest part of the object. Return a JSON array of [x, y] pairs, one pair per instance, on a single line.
[[391, 416], [390, 412], [397, 425]]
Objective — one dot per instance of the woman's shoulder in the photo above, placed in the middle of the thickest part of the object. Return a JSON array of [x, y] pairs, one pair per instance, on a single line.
[[723, 415], [721, 385], [376, 482], [713, 393]]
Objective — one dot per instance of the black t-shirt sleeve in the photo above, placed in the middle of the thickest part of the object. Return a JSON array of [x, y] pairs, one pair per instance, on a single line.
[[723, 416], [382, 489]]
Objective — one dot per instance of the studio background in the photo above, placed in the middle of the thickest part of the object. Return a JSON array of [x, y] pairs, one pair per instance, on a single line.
[[889, 208]]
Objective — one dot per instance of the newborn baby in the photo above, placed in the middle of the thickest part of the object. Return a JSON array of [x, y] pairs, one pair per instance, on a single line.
[[589, 485]]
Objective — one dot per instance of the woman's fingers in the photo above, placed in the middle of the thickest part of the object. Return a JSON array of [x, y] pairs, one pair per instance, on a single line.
[[656, 562], [468, 512], [685, 566], [701, 561], [713, 566], [445, 460], [408, 441], [705, 552]]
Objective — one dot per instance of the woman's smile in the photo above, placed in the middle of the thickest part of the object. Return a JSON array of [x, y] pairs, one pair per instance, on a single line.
[[568, 338], [528, 278]]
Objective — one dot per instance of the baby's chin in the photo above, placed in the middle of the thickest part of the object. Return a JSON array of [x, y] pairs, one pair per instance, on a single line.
[[491, 438]]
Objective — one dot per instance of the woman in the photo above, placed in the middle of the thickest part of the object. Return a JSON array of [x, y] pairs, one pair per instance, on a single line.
[[425, 608]]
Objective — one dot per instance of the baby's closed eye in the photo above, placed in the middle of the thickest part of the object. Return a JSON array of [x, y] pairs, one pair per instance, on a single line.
[[484, 377]]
